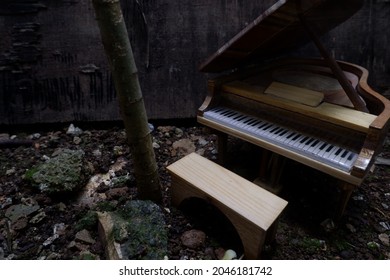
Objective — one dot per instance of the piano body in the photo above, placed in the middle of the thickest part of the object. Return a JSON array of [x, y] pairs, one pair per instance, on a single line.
[[315, 111]]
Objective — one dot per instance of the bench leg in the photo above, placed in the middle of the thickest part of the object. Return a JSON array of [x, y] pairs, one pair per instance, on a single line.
[[252, 237]]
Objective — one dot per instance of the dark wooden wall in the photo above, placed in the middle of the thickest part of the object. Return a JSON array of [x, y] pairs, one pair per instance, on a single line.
[[53, 67]]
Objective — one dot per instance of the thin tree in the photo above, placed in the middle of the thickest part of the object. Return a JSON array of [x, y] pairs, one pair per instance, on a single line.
[[125, 74]]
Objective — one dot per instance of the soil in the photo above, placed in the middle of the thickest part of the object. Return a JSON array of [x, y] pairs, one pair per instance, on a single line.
[[306, 229]]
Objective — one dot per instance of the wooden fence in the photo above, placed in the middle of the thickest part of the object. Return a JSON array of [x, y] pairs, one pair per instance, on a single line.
[[53, 67]]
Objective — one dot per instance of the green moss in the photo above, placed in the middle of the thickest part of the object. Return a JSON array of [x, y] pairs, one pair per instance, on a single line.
[[88, 221], [106, 206], [311, 244]]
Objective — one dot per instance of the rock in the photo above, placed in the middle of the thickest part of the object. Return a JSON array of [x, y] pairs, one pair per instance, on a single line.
[[34, 136], [183, 147], [178, 132], [382, 161], [385, 225], [118, 150], [17, 211], [117, 193], [77, 140], [38, 217], [384, 238], [219, 253], [5, 202], [10, 171], [58, 230], [61, 206], [97, 153], [84, 236], [20, 224], [202, 141], [106, 229], [87, 255], [373, 245], [165, 129], [66, 172], [193, 239], [351, 228], [209, 252], [53, 256], [328, 225], [72, 130], [4, 136], [137, 231], [230, 255]]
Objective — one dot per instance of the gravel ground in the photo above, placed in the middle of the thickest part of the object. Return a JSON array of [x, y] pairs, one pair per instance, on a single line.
[[59, 227]]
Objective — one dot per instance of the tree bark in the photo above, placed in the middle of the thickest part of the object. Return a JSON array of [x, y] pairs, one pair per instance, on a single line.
[[125, 74]]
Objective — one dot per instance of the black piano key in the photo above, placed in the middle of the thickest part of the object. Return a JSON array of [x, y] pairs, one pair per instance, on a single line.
[[309, 141], [252, 122], [323, 146], [274, 129], [239, 118], [329, 148], [283, 132], [303, 139], [290, 135], [315, 143], [338, 151], [296, 136]]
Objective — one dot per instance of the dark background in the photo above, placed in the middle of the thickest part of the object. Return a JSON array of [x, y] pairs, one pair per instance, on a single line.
[[53, 67]]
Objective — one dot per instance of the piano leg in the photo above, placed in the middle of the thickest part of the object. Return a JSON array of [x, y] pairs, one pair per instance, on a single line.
[[222, 147], [346, 192], [271, 171]]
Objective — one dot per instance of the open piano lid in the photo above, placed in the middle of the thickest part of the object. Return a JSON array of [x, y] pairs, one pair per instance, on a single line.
[[279, 29]]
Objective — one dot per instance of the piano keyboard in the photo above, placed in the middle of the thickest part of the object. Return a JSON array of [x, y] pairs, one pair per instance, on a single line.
[[311, 147]]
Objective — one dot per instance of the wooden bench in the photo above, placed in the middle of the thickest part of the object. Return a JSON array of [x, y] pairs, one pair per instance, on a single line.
[[252, 210]]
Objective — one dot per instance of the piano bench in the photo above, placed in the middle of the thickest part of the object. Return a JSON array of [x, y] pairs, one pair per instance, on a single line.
[[252, 210]]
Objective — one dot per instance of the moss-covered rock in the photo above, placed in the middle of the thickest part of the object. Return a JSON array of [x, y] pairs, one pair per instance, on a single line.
[[136, 232], [144, 235], [64, 173]]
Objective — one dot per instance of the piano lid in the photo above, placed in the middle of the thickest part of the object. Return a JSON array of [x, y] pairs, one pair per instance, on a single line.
[[279, 29]]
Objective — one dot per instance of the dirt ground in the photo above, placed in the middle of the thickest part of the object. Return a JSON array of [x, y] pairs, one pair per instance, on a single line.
[[306, 228]]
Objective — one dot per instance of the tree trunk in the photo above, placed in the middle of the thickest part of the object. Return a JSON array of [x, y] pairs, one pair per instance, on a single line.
[[125, 74]]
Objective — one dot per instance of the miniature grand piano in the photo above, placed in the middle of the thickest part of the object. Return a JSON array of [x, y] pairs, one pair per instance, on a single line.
[[318, 112]]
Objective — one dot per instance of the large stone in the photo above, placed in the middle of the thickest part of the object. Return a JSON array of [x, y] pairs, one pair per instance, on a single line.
[[18, 211], [135, 232], [66, 172]]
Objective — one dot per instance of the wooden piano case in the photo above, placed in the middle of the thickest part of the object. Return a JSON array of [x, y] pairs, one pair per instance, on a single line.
[[324, 103]]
